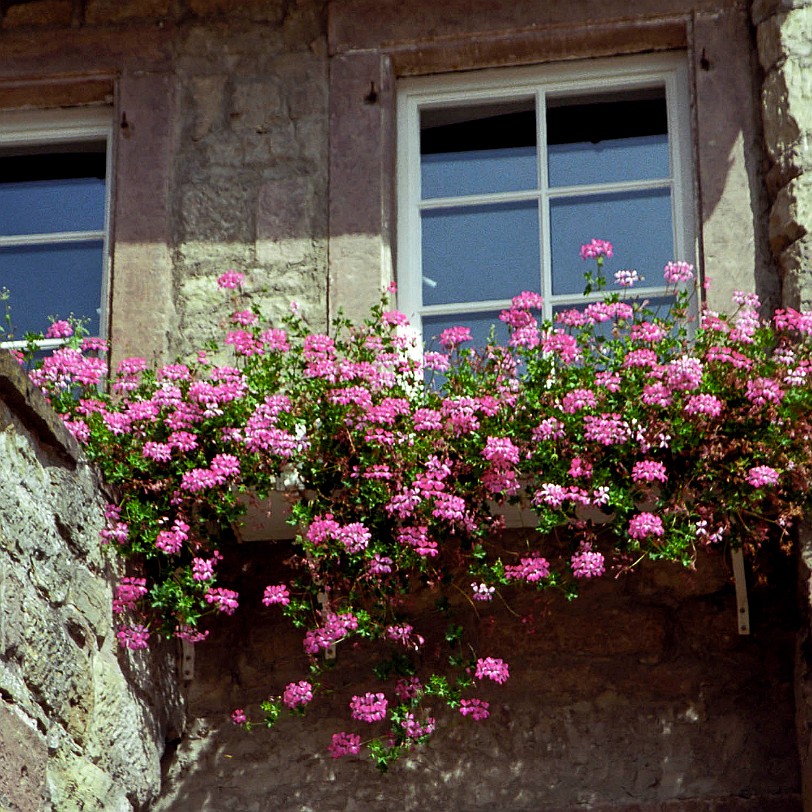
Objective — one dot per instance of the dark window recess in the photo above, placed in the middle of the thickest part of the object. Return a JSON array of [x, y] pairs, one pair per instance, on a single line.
[[578, 123], [505, 131], [30, 167]]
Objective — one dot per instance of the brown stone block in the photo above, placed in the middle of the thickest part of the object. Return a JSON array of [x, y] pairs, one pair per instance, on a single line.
[[616, 632], [362, 24], [668, 583], [42, 13], [69, 93], [99, 12], [260, 10], [84, 50]]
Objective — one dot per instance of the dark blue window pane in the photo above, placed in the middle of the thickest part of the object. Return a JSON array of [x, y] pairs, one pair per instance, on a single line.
[[618, 137], [638, 224], [53, 281], [451, 174], [611, 161], [476, 253], [52, 192], [478, 150], [46, 207]]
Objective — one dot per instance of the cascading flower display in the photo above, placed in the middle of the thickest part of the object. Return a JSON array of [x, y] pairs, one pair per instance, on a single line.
[[627, 433]]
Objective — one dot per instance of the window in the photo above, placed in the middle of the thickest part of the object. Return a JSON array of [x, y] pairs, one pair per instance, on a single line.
[[504, 174], [53, 217]]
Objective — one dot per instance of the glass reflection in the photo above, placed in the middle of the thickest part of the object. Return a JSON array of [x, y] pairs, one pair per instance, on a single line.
[[638, 224], [53, 281], [46, 194], [476, 253]]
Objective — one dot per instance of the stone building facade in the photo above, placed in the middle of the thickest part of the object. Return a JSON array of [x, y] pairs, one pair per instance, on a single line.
[[266, 136]]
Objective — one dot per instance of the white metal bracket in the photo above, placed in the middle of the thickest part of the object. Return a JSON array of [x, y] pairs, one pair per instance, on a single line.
[[187, 660]]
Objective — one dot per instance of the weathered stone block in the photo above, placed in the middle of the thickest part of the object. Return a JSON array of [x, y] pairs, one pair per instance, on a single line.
[[78, 784], [762, 9], [786, 96], [219, 210], [256, 103], [794, 264], [23, 756], [56, 670], [785, 36], [121, 737], [304, 79], [92, 599], [207, 102], [287, 213], [104, 739], [265, 147], [791, 214], [39, 14], [99, 12], [259, 10]]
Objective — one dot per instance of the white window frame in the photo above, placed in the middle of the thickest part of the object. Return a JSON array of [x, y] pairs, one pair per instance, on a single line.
[[54, 127], [668, 70]]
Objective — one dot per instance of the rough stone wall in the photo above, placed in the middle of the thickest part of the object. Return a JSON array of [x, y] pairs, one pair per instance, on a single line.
[[784, 36], [250, 163], [638, 696], [82, 725], [784, 31]]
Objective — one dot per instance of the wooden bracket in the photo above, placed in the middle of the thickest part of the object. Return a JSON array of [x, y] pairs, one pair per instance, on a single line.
[[742, 606]]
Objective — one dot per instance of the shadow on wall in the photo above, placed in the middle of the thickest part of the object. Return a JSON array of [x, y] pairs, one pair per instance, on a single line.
[[640, 692]]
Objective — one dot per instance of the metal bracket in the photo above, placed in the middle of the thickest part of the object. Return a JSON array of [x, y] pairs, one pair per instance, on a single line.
[[187, 661], [742, 606], [330, 651]]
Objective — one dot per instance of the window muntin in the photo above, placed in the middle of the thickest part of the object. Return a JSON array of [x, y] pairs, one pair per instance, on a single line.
[[502, 175], [54, 203]]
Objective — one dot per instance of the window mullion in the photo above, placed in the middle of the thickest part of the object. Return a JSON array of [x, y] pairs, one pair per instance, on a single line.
[[476, 200], [19, 240], [586, 190], [545, 249]]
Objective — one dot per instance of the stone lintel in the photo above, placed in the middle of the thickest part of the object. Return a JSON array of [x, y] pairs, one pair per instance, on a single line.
[[71, 90], [532, 46]]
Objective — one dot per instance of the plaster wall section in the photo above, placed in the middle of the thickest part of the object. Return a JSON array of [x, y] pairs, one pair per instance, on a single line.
[[785, 51], [82, 724]]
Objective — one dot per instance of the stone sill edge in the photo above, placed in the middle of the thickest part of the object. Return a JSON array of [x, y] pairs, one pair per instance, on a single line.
[[29, 406]]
